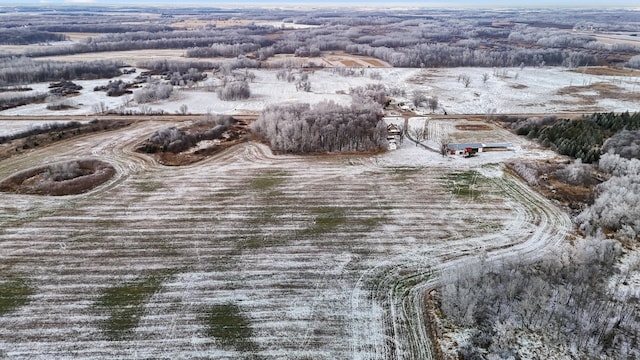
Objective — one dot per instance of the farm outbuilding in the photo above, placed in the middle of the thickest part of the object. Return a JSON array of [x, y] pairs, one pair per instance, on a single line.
[[469, 149]]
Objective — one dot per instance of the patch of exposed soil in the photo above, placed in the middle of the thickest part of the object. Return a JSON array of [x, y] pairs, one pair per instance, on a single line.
[[423, 77], [519, 86], [68, 178], [350, 63], [473, 127], [599, 90]]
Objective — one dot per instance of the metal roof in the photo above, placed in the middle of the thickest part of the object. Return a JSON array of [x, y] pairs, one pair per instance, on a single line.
[[465, 146], [477, 146]]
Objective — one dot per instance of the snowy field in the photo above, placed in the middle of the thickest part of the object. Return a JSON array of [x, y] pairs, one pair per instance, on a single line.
[[318, 257], [324, 257], [505, 91]]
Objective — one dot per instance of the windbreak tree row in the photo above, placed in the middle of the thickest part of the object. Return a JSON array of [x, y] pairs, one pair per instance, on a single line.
[[20, 71]]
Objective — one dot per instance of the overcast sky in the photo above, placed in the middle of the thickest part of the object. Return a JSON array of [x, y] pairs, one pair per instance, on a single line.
[[385, 3]]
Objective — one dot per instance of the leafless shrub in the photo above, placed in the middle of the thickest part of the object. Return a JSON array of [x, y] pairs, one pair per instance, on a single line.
[[153, 91], [234, 90], [526, 171], [576, 173]]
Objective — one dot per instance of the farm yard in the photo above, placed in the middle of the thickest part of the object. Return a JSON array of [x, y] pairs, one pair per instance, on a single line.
[[308, 257]]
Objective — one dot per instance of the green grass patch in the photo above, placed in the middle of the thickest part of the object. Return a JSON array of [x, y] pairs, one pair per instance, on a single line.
[[230, 327], [326, 219], [125, 304], [14, 293], [464, 184], [268, 180], [149, 186]]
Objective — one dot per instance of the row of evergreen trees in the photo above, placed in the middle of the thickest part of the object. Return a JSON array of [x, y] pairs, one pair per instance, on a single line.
[[581, 138]]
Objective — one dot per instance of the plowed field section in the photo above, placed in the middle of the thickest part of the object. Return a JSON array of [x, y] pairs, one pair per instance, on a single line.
[[245, 253]]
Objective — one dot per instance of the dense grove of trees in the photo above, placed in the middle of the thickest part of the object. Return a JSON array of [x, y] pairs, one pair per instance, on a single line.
[[113, 27], [173, 39], [20, 71], [28, 36], [617, 205], [325, 127], [581, 138], [562, 300]]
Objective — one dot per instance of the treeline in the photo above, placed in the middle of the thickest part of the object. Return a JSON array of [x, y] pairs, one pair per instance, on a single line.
[[175, 39], [581, 138], [41, 129], [103, 28], [449, 41], [28, 36], [19, 71], [562, 301], [9, 101], [324, 127]]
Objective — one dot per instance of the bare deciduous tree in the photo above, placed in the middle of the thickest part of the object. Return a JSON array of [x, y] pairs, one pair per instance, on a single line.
[[433, 103]]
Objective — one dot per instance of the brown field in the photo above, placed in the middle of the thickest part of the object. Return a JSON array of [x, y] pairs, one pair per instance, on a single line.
[[589, 94], [473, 127], [350, 63], [607, 71]]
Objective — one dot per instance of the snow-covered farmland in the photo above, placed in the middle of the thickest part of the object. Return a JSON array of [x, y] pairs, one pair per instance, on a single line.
[[505, 91], [323, 257]]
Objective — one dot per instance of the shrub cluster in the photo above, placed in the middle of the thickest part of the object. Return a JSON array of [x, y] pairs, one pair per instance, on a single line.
[[115, 88], [234, 90], [176, 140], [153, 91]]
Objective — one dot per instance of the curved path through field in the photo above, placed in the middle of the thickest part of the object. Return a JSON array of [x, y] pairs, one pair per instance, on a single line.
[[327, 257]]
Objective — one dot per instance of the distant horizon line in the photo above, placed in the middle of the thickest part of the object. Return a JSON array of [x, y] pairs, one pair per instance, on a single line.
[[365, 5]]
